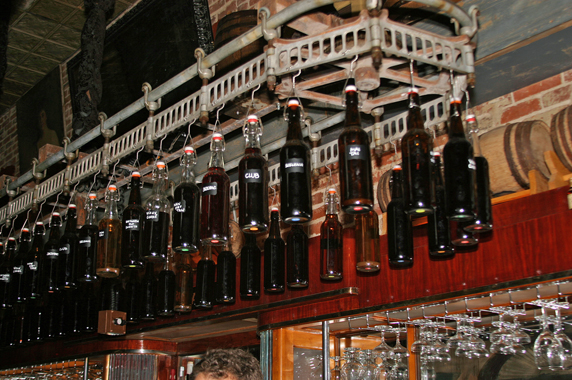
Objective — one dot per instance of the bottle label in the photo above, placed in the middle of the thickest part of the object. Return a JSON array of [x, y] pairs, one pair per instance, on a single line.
[[18, 270], [102, 234], [33, 265], [294, 165], [86, 242], [5, 277], [52, 254], [65, 249], [356, 152], [210, 188], [253, 176], [180, 206], [132, 224], [152, 215], [472, 164]]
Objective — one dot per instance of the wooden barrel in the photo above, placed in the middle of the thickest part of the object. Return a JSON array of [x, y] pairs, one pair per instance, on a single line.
[[384, 190], [230, 27], [512, 151], [561, 135]]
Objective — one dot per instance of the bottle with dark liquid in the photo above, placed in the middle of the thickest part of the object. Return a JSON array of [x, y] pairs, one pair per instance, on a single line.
[[356, 179], [297, 258], [69, 250], [87, 245], [459, 169], [295, 168], [184, 289], [204, 292], [367, 242], [331, 240], [52, 252], [483, 221], [166, 288], [6, 281], [52, 315], [89, 297], [225, 288], [34, 263], [215, 197], [399, 229], [253, 181], [416, 147], [74, 309], [438, 226], [157, 217], [460, 237], [149, 294], [250, 260], [186, 210], [18, 267], [274, 256], [132, 293], [112, 294], [109, 237], [131, 225]]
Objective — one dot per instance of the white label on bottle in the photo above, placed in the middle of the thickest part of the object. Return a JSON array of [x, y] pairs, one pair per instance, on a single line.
[[210, 188], [5, 277], [132, 224], [253, 176], [294, 165], [102, 234], [86, 243], [180, 206], [472, 164], [356, 152], [65, 249], [33, 265], [52, 254], [152, 215], [18, 270]]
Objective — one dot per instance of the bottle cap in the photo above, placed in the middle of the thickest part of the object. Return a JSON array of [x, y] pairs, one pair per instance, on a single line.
[[72, 205], [331, 191], [455, 100], [25, 229], [160, 165], [471, 118], [39, 223], [252, 118], [351, 85], [189, 150], [112, 188], [217, 136], [12, 239], [397, 168], [412, 90], [436, 154], [274, 208], [136, 174], [293, 103], [92, 196], [56, 214]]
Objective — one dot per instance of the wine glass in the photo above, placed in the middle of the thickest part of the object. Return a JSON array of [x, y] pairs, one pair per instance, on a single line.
[[352, 369], [548, 350], [399, 351], [564, 340], [383, 350], [336, 371]]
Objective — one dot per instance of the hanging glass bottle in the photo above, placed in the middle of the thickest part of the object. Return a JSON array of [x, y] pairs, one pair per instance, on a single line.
[[215, 207], [253, 181], [52, 251], [399, 229], [274, 256], [297, 258], [295, 169], [186, 210], [87, 248], [225, 288], [69, 250], [109, 237], [18, 266], [204, 294], [416, 147], [131, 226], [89, 317], [157, 217], [459, 168], [438, 226], [460, 237], [356, 179], [6, 280], [331, 240], [483, 221], [133, 292], [34, 263], [367, 242], [148, 300], [166, 288], [112, 296], [250, 260], [184, 278]]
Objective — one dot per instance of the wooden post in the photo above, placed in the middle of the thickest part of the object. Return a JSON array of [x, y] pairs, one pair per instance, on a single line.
[[283, 354]]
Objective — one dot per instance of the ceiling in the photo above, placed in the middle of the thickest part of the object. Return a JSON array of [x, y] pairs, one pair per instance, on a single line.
[[43, 34]]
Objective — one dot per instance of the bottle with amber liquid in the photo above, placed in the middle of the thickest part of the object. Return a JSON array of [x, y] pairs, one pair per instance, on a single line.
[[51, 258], [109, 237], [253, 181], [157, 217], [274, 256], [131, 226], [356, 179], [215, 197], [87, 246], [206, 271], [186, 210], [331, 240], [69, 250], [225, 288], [133, 293], [297, 258], [250, 260], [184, 280], [399, 229], [367, 242], [416, 147], [483, 221], [459, 169], [295, 168], [166, 288], [18, 266], [438, 226], [148, 297], [6, 263], [34, 263]]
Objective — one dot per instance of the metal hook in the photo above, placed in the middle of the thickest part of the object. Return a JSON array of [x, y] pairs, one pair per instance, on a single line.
[[330, 174], [113, 173], [137, 157], [25, 221], [294, 80], [394, 144], [72, 194], [252, 97], [274, 195], [189, 133], [411, 73], [217, 122], [159, 155], [352, 64], [39, 212], [94, 179], [57, 200], [468, 101]]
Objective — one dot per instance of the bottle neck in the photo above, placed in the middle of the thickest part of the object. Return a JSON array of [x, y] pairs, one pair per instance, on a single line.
[[217, 159], [415, 119], [437, 177], [252, 139], [332, 204], [456, 128], [294, 126], [188, 174], [397, 189], [71, 223], [55, 226], [352, 109], [111, 208], [161, 184], [474, 135], [91, 215], [135, 195], [274, 224]]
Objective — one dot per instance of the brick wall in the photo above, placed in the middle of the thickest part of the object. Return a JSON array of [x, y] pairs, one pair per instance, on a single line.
[[9, 140], [66, 100], [221, 8]]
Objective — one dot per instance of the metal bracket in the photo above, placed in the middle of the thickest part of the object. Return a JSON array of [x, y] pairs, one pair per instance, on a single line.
[[377, 135], [38, 176], [202, 72], [151, 106], [263, 15]]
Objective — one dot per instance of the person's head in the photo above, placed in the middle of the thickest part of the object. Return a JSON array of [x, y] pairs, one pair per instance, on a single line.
[[227, 364]]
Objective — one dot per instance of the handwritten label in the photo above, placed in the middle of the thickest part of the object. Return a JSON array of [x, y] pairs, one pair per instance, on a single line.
[[253, 176], [294, 165], [180, 206], [210, 188], [132, 224], [356, 152], [152, 215]]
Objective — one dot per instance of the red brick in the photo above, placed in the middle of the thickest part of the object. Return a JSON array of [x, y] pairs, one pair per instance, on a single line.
[[318, 213], [567, 76], [215, 6], [314, 229], [317, 197], [558, 95], [520, 110], [536, 88]]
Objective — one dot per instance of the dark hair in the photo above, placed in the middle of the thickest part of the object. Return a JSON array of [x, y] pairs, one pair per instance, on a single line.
[[221, 363]]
